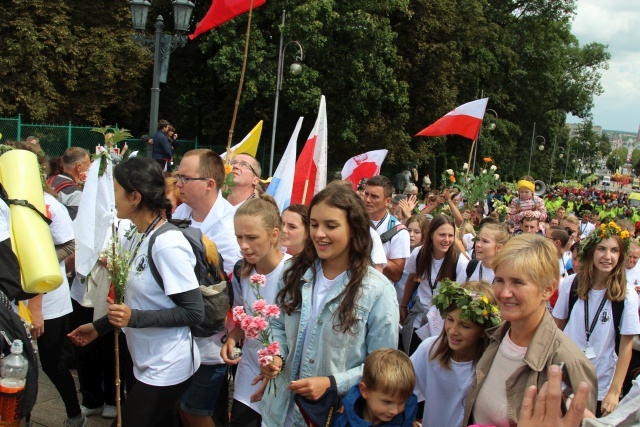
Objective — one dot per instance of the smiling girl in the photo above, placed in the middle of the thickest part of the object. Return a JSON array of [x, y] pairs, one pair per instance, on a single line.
[[427, 266], [418, 227], [336, 308], [598, 311], [446, 363], [257, 226]]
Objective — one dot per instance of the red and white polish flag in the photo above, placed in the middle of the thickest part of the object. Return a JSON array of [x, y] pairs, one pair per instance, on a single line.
[[363, 166], [311, 167], [465, 121]]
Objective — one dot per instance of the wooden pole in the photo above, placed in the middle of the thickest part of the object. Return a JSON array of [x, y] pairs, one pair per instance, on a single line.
[[116, 332], [244, 67], [304, 192]]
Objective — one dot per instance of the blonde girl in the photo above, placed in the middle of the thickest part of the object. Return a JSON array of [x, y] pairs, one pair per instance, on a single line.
[[445, 364], [597, 310], [257, 226], [491, 239]]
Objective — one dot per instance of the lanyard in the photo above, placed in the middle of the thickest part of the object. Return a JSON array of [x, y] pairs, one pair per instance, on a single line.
[[589, 330], [431, 285], [381, 221], [146, 233]]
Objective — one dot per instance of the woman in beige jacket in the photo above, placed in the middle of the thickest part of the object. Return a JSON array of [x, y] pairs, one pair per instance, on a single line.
[[522, 349]]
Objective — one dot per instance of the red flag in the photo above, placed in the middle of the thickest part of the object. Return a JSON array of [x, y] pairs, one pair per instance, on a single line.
[[465, 121], [363, 166], [311, 167], [222, 11]]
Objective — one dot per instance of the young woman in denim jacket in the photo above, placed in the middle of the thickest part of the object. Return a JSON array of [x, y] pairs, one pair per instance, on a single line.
[[336, 309]]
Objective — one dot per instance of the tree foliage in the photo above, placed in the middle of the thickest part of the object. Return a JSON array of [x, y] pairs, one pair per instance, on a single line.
[[387, 68]]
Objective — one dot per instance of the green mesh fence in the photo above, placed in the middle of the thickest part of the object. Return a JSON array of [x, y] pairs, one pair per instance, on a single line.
[[55, 139]]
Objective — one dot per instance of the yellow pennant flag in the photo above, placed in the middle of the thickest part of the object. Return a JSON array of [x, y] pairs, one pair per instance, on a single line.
[[249, 144]]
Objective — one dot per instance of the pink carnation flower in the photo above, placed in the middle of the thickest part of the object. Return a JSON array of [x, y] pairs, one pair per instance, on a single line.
[[271, 310], [273, 348], [245, 323], [238, 313], [251, 334], [259, 323], [264, 359], [258, 279], [259, 305]]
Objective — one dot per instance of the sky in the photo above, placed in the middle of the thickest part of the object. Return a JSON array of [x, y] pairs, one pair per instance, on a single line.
[[611, 22]]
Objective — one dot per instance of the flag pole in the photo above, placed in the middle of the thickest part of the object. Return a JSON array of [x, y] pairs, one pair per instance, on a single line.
[[304, 192], [473, 144], [244, 67]]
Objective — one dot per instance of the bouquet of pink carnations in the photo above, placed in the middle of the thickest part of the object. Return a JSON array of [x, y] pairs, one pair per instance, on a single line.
[[256, 325]]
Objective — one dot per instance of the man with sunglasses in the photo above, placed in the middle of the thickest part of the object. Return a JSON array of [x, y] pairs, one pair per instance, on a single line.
[[246, 176]]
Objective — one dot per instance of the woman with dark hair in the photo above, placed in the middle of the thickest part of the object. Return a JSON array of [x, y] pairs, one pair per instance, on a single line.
[[155, 320], [437, 259], [294, 228], [336, 309]]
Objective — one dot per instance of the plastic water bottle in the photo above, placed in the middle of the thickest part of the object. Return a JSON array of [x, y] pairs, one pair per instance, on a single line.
[[14, 373]]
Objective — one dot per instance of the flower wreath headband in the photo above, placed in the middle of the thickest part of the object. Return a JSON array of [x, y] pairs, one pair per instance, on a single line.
[[474, 306], [604, 231]]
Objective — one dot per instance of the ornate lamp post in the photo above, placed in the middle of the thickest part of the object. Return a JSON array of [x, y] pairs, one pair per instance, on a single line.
[[160, 46], [295, 69], [540, 147]]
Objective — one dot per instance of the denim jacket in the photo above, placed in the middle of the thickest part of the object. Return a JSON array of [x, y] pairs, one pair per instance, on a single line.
[[330, 352]]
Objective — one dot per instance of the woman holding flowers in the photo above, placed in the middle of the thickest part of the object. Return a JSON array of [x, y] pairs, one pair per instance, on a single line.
[[257, 226], [336, 309], [527, 343], [155, 320], [445, 364], [598, 311]]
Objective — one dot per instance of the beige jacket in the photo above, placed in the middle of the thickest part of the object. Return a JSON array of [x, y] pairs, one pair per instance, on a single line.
[[549, 346]]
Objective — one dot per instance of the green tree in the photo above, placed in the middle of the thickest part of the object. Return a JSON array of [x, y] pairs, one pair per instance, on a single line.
[[617, 159]]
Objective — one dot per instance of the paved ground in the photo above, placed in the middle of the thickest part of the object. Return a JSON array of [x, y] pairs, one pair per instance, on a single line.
[[49, 410]]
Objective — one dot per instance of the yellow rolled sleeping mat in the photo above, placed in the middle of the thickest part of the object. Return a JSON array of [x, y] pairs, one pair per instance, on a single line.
[[30, 234]]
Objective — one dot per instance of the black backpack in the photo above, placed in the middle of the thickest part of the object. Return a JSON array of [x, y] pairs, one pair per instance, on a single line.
[[217, 293], [616, 306]]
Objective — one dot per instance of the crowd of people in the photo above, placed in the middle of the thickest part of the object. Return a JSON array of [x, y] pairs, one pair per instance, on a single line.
[[392, 310]]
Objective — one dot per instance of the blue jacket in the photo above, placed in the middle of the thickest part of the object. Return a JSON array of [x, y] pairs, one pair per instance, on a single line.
[[161, 147], [330, 352], [352, 416]]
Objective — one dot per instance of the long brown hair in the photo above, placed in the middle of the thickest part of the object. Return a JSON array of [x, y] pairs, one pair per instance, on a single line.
[[442, 352], [290, 296], [448, 269], [616, 281]]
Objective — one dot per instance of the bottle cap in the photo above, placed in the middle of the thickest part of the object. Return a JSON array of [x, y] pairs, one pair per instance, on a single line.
[[16, 346]]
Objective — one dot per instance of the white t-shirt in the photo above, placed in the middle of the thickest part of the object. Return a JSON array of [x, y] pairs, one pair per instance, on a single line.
[[602, 339], [377, 250], [586, 229], [482, 270], [633, 276], [399, 246], [249, 368], [443, 390], [5, 221], [425, 294], [162, 356], [57, 303], [491, 407]]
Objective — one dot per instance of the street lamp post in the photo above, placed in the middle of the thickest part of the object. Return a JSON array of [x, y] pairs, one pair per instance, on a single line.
[[161, 46], [553, 157], [533, 140], [567, 164], [491, 126], [295, 69]]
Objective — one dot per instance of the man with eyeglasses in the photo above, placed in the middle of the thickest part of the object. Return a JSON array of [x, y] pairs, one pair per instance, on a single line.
[[246, 176], [200, 178]]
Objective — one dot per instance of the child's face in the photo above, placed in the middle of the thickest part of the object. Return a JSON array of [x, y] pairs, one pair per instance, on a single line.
[[415, 234], [381, 407], [462, 336], [525, 194]]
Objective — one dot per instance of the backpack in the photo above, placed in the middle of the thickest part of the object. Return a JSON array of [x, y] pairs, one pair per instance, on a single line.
[[616, 306], [61, 185], [471, 267], [215, 286], [394, 227]]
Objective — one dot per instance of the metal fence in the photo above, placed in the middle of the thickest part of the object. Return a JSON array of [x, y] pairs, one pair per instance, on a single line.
[[55, 139]]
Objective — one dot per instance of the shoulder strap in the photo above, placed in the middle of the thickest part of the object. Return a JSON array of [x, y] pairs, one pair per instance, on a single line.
[[618, 308], [236, 269], [18, 202], [471, 267], [573, 295], [152, 266], [61, 186], [389, 234]]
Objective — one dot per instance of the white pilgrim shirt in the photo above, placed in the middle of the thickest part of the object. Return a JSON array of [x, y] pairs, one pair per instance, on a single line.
[[443, 390], [602, 339], [487, 274], [378, 255], [399, 246], [162, 356], [5, 221]]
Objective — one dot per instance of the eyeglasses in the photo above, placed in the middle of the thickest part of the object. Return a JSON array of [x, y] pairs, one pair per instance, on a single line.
[[185, 180], [243, 164]]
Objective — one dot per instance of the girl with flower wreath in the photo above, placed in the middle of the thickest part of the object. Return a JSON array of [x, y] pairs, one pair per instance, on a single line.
[[598, 311], [258, 227], [446, 363], [336, 309]]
